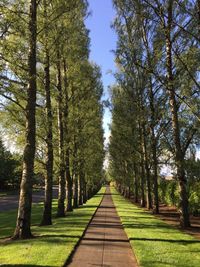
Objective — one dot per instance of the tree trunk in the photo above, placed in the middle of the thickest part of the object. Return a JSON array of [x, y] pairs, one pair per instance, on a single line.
[[155, 172], [75, 202], [23, 223], [62, 181], [152, 123], [75, 175], [69, 179], [81, 181], [143, 201], [69, 185], [198, 11], [136, 183], [47, 213], [146, 164], [85, 198], [154, 149], [179, 154]]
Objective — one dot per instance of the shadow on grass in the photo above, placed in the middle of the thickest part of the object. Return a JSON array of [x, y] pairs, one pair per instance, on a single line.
[[145, 226], [57, 236], [180, 241], [131, 216]]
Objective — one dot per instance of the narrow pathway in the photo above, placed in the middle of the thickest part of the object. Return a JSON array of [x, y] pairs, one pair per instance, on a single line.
[[105, 243]]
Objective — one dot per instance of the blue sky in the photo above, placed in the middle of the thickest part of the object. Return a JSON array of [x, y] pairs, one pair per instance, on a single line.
[[103, 40]]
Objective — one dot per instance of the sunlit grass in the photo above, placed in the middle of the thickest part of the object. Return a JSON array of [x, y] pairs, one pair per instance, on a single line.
[[155, 243], [53, 244]]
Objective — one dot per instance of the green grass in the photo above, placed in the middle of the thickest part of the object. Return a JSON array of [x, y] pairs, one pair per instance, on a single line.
[[155, 243], [53, 244]]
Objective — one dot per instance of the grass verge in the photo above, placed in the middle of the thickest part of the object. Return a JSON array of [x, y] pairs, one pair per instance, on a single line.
[[155, 243], [53, 244]]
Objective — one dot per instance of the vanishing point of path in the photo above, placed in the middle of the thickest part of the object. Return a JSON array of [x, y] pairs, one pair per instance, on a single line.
[[105, 243]]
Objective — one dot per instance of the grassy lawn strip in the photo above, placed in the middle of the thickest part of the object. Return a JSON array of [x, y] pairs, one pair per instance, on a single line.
[[54, 244], [155, 243]]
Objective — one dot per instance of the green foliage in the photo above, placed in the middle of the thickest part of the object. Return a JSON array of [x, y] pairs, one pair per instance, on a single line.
[[10, 169], [169, 193], [194, 200], [169, 190], [155, 116], [193, 176], [62, 35]]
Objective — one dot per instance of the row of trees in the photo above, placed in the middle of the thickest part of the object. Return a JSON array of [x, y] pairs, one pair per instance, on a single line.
[[51, 102], [155, 104]]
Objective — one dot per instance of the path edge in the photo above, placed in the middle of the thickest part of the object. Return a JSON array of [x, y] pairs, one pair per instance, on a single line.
[[133, 250], [69, 259]]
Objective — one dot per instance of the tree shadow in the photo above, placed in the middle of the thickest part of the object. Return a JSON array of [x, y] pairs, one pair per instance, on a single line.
[[147, 226], [62, 236], [179, 241]]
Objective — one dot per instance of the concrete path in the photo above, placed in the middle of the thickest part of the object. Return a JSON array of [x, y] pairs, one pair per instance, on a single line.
[[105, 243]]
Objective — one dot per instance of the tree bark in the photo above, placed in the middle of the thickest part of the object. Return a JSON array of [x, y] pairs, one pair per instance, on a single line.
[[146, 164], [154, 148], [136, 184], [75, 202], [75, 176], [152, 123], [62, 180], [198, 11], [69, 180], [47, 213], [85, 197], [179, 155], [143, 201], [23, 223], [69, 184], [81, 183]]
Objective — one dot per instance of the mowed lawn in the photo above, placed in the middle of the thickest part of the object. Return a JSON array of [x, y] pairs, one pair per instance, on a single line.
[[53, 244], [155, 243]]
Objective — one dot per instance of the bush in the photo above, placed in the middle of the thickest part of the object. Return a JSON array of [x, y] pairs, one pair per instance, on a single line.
[[10, 169], [168, 192], [194, 199]]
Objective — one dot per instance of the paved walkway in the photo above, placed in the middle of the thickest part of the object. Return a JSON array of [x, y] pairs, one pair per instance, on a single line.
[[105, 243]]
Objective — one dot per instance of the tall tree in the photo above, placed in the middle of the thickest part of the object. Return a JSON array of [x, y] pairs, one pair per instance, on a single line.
[[47, 213], [157, 42], [23, 223]]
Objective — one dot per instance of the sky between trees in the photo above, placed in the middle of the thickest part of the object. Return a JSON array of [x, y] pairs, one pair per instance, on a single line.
[[103, 41]]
